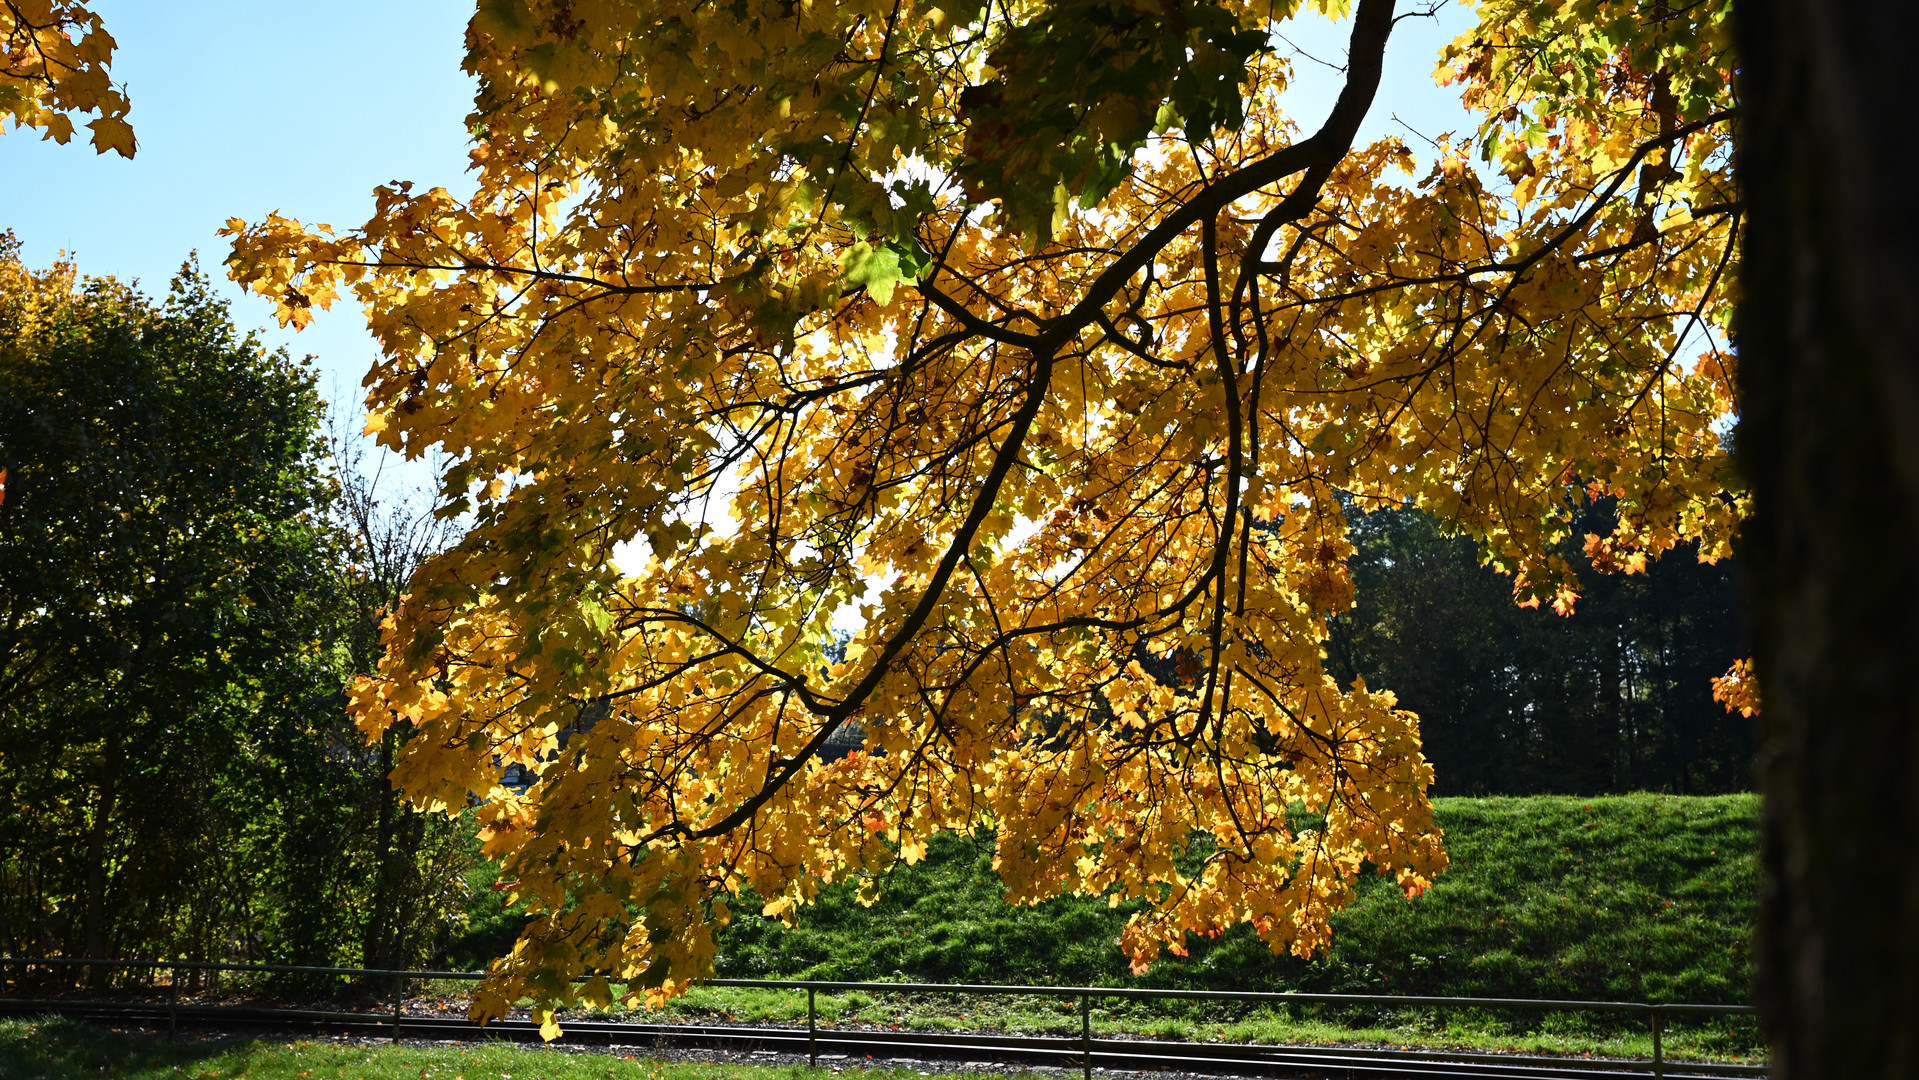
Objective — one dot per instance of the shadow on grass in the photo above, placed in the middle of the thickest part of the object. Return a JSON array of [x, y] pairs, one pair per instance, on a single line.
[[55, 1048], [58, 1049]]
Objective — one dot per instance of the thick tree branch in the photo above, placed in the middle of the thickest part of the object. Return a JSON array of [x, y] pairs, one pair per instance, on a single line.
[[1316, 157], [1008, 454]]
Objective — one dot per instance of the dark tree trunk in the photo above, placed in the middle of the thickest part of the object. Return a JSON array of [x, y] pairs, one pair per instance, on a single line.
[[99, 836], [1828, 339], [376, 947]]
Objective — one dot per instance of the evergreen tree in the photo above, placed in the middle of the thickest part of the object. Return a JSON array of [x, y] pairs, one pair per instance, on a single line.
[[1615, 696]]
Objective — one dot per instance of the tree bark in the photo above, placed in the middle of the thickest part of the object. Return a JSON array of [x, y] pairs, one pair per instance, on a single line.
[[1828, 338], [376, 944], [99, 835]]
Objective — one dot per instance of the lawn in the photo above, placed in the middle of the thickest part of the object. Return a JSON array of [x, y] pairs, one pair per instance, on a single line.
[[1625, 898], [46, 1049], [1637, 897], [1570, 1033]]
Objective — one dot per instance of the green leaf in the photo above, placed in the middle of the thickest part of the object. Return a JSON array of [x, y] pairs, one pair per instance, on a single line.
[[875, 269], [1080, 88]]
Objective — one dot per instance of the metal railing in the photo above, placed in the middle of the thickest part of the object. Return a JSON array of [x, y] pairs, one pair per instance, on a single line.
[[1656, 1013]]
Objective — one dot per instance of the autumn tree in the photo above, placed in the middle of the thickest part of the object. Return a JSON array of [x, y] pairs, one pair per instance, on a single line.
[[53, 68], [1040, 343]]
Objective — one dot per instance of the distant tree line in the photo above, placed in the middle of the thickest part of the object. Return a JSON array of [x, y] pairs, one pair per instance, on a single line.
[[187, 579], [1615, 697]]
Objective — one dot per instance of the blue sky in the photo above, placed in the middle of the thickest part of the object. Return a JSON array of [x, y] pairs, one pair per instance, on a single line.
[[244, 108]]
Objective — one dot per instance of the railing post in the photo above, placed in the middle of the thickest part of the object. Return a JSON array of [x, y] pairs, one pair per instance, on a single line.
[[173, 1005], [812, 1032], [1086, 1035], [1658, 1051], [399, 999]]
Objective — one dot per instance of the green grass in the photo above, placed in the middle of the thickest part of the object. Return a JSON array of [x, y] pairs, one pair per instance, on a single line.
[[1626, 898], [1718, 1039], [1638, 897], [48, 1049]]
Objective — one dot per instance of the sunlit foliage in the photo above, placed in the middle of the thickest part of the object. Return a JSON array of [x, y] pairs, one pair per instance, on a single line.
[[53, 67], [1040, 344]]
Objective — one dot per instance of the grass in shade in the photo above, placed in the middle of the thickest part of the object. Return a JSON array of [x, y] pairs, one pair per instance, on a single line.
[[51, 1049]]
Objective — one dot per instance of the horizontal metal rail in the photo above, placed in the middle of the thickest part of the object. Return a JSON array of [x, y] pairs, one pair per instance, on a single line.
[[1085, 1048], [1267, 996], [1128, 1054], [215, 965]]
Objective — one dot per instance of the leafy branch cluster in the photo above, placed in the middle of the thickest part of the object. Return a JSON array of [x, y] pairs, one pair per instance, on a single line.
[[53, 66], [1047, 349]]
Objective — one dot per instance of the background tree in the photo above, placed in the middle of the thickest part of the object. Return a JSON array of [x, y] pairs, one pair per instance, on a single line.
[[415, 859], [1828, 322], [168, 599], [177, 621], [1038, 341], [1516, 701]]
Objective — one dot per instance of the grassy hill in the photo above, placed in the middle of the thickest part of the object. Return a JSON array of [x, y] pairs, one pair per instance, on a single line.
[[1639, 897]]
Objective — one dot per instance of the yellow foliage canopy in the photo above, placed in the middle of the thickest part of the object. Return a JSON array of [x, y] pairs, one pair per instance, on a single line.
[[1037, 336], [53, 66]]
